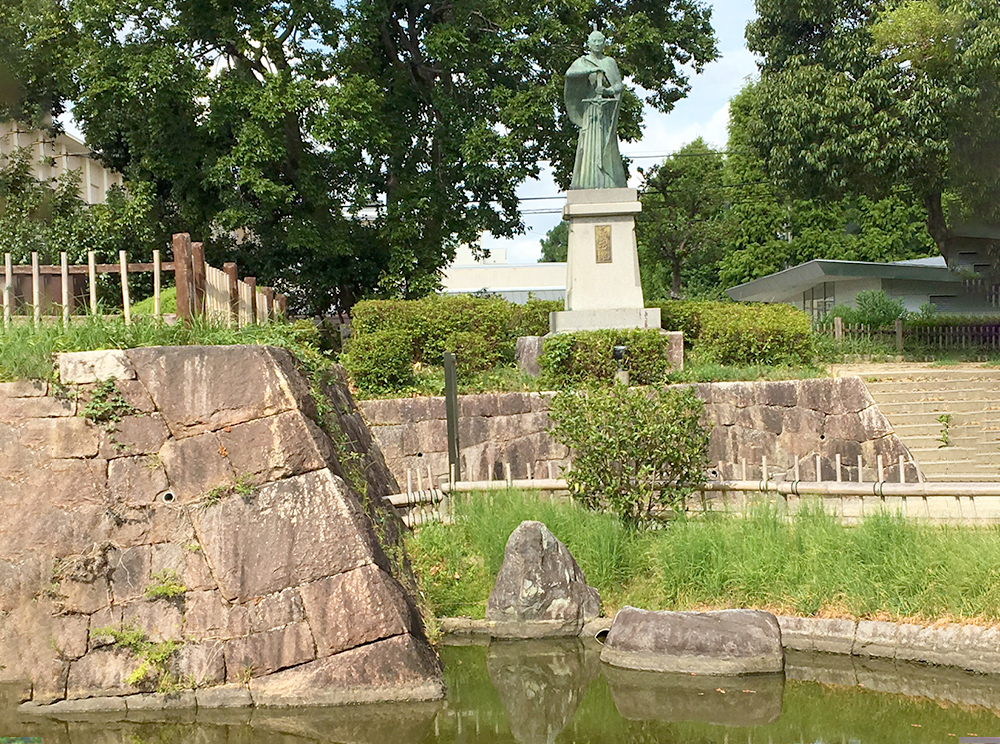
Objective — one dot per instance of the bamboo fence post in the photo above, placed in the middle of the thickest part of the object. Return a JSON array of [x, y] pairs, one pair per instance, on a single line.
[[157, 308], [126, 298], [64, 282], [233, 275], [268, 302], [251, 281], [92, 279], [198, 276], [838, 461], [899, 335], [36, 289], [182, 274], [8, 287], [881, 468], [281, 306]]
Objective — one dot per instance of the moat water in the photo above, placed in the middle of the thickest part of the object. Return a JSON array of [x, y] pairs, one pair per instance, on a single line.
[[548, 692]]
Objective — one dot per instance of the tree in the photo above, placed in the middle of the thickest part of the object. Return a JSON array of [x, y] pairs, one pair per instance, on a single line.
[[555, 244], [682, 223], [869, 97], [352, 146], [773, 229]]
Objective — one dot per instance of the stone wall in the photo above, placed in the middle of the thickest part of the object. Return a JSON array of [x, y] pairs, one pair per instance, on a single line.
[[208, 509], [750, 420]]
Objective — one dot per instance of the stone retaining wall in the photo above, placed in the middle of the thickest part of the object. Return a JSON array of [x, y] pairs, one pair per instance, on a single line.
[[190, 494], [777, 420]]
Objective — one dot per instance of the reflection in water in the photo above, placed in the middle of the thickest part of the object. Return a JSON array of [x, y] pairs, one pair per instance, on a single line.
[[557, 692], [540, 683], [750, 700]]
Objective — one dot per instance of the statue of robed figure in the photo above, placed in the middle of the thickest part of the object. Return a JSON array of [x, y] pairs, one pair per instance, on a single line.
[[593, 95]]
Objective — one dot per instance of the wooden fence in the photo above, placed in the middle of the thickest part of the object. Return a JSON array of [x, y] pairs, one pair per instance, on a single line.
[[202, 290], [984, 335]]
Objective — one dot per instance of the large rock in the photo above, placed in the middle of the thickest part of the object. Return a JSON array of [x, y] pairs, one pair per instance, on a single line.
[[540, 591], [723, 642]]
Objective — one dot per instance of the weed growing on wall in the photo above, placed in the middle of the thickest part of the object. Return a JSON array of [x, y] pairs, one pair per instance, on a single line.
[[637, 452]]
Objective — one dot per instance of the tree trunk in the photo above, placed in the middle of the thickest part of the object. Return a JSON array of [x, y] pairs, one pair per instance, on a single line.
[[937, 226], [675, 276]]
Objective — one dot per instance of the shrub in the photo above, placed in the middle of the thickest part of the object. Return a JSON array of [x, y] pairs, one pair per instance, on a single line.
[[379, 361], [871, 308], [685, 316], [636, 452], [756, 334], [570, 358], [532, 318], [473, 353]]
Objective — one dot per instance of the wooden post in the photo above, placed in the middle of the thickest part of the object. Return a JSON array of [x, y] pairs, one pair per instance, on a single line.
[[881, 468], [796, 468], [902, 470], [281, 306], [268, 302], [198, 277], [838, 328], [899, 335], [251, 281], [860, 479], [233, 275], [92, 278], [36, 289], [819, 469], [8, 287], [182, 275], [837, 458], [157, 309], [64, 284], [126, 298]]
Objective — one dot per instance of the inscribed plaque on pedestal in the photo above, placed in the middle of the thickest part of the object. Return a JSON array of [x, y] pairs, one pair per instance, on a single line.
[[602, 242]]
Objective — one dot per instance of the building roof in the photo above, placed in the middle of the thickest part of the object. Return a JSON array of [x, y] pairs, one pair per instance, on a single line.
[[782, 284]]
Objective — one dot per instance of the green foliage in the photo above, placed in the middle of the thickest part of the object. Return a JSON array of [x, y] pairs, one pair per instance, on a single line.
[[153, 671], [243, 487], [683, 221], [806, 564], [588, 356], [945, 437], [379, 361], [683, 315], [165, 584], [107, 405], [756, 334], [871, 308], [636, 452], [168, 303], [555, 244]]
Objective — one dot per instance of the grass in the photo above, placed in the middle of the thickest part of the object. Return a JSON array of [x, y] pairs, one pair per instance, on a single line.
[[884, 568], [26, 350]]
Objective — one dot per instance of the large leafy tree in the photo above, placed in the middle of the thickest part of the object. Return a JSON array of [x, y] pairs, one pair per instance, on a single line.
[[555, 244], [873, 96], [349, 147], [683, 221]]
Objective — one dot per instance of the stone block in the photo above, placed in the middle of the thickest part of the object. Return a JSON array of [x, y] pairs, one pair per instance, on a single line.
[[473, 431], [739, 394], [540, 402], [82, 367], [106, 617], [130, 572], [102, 706], [540, 590], [380, 413], [160, 619], [817, 634], [17, 409], [83, 597], [845, 426], [195, 465], [136, 395], [102, 672], [207, 616], [181, 700], [401, 668], [57, 438], [134, 435], [722, 642], [23, 389], [721, 414], [265, 653], [224, 696], [70, 635], [203, 663], [512, 404], [432, 436], [474, 406], [875, 638], [136, 481], [390, 440], [874, 423], [527, 349], [204, 388], [783, 393], [279, 609], [276, 447], [355, 608], [772, 418], [293, 531]]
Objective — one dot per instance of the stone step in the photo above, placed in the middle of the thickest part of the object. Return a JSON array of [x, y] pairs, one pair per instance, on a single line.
[[906, 396], [939, 406], [882, 386]]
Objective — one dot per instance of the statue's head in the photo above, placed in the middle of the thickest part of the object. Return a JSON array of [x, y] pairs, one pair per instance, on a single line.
[[596, 41]]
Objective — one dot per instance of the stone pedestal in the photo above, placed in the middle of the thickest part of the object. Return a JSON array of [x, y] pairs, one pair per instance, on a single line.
[[602, 268]]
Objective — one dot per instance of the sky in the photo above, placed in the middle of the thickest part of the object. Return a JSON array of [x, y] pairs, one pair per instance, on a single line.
[[704, 112]]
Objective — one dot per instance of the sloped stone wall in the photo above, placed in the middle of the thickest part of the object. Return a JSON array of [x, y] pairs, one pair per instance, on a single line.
[[749, 420], [211, 473]]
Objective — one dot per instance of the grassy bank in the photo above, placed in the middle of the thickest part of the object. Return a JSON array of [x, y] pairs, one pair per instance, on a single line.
[[884, 568]]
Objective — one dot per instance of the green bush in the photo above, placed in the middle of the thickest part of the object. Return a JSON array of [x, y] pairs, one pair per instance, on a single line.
[[871, 308], [571, 358], [756, 334], [685, 316], [473, 353], [532, 318], [379, 361], [636, 452]]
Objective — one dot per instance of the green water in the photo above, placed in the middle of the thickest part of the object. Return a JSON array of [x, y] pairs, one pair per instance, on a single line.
[[560, 692]]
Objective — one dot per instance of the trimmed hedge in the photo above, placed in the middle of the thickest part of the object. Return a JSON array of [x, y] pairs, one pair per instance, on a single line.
[[572, 358], [481, 331], [684, 316], [756, 334]]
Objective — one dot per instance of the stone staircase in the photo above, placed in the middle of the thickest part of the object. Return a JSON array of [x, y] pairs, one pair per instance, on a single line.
[[914, 397]]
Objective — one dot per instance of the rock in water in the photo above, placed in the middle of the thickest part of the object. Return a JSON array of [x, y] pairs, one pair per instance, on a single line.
[[540, 591], [723, 642]]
